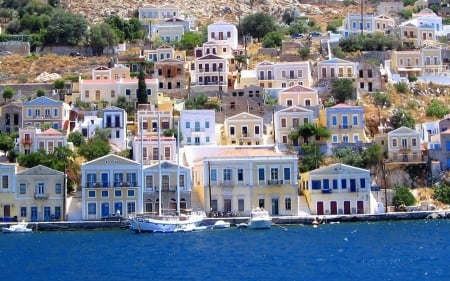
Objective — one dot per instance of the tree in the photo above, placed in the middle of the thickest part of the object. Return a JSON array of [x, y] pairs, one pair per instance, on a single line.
[[6, 143], [66, 28], [307, 131], [402, 196], [312, 157], [304, 53], [257, 25], [173, 132], [190, 40], [59, 84], [102, 36], [40, 92], [122, 102], [437, 109], [381, 99], [94, 148], [342, 89], [76, 138], [272, 39], [8, 93], [400, 117], [142, 88], [442, 194]]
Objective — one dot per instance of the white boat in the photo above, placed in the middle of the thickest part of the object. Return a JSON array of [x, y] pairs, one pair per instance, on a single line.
[[167, 223], [221, 224], [259, 219], [20, 227]]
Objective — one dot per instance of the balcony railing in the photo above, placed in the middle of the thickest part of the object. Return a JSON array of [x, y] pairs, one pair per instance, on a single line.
[[40, 195], [107, 184], [326, 191], [274, 182], [345, 126], [27, 141]]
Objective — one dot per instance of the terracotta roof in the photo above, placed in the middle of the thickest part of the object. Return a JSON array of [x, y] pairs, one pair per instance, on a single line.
[[51, 131], [246, 153]]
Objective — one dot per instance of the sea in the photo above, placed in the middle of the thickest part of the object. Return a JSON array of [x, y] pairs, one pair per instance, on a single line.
[[392, 250]]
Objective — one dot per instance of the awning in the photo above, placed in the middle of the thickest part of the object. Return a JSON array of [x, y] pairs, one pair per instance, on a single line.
[[409, 69]]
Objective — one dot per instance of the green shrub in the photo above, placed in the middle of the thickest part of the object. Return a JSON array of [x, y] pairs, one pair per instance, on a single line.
[[401, 87], [437, 109], [442, 194], [402, 196]]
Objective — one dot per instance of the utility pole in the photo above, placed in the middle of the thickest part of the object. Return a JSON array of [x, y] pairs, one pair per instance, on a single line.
[[209, 187]]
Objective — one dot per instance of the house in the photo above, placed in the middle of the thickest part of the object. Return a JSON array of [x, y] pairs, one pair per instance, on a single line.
[[198, 127], [110, 185], [163, 52], [221, 48], [115, 120], [8, 209], [346, 124], [117, 72], [242, 129], [100, 92], [222, 30], [298, 95], [283, 74], [152, 15], [250, 99], [11, 117], [404, 146], [407, 63], [44, 110], [416, 36], [441, 150], [336, 68], [40, 194], [369, 77], [288, 120], [210, 73], [166, 178], [146, 149], [170, 74], [338, 189], [32, 140], [172, 29], [237, 179], [355, 24]]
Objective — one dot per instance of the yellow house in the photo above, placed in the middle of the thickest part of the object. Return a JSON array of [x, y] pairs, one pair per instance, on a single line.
[[43, 110], [110, 186], [404, 145], [8, 209], [407, 63], [243, 129], [40, 194], [298, 95], [238, 179], [338, 189]]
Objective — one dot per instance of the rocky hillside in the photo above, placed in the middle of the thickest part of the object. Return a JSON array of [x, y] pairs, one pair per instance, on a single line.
[[96, 10]]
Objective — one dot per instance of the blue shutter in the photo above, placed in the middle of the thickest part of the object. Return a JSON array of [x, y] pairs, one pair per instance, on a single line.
[[335, 184], [352, 185], [326, 184], [362, 182], [343, 183], [316, 184]]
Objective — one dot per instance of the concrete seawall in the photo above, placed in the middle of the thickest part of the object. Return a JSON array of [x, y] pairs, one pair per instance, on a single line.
[[277, 220]]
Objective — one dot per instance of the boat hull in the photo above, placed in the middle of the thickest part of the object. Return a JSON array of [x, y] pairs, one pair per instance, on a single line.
[[17, 228], [260, 224], [165, 225]]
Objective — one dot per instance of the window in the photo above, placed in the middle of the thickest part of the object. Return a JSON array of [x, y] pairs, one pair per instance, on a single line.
[[283, 122], [58, 188], [188, 125], [232, 131], [362, 182], [414, 142], [105, 193], [117, 193], [5, 183], [240, 175], [287, 204], [118, 179], [334, 138], [316, 184], [261, 175], [23, 211], [131, 207], [394, 142], [91, 193], [274, 174], [57, 212], [23, 188], [213, 174], [130, 192], [167, 153], [149, 182], [207, 124], [188, 139], [181, 181], [227, 174], [334, 120], [287, 174], [261, 202], [335, 184], [355, 120], [207, 139], [343, 183], [240, 205], [92, 209]]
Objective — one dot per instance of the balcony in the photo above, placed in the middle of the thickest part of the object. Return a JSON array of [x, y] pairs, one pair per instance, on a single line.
[[345, 126], [27, 141], [41, 196], [274, 182], [326, 191]]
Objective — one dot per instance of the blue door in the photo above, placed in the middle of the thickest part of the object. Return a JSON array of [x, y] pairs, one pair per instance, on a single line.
[[118, 208], [47, 213], [34, 214], [105, 179], [105, 209], [352, 185], [344, 122]]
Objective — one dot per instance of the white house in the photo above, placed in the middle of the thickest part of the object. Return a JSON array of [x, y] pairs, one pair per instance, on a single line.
[[198, 127]]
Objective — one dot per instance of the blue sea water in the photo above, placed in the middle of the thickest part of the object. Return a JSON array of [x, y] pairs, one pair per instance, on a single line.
[[400, 250]]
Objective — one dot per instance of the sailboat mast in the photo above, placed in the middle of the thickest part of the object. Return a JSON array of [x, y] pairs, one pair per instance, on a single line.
[[141, 207], [178, 167], [159, 164]]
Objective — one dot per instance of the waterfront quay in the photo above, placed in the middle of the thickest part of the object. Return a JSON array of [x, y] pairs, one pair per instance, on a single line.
[[276, 220]]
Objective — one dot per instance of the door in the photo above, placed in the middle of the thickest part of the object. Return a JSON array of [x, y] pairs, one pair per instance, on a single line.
[[347, 207], [118, 208], [34, 214], [320, 208], [345, 122], [360, 207], [333, 207], [275, 206], [105, 210], [6, 211], [47, 213]]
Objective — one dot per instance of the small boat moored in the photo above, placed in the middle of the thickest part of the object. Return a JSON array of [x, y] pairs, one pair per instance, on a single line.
[[20, 227], [221, 224], [259, 219]]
